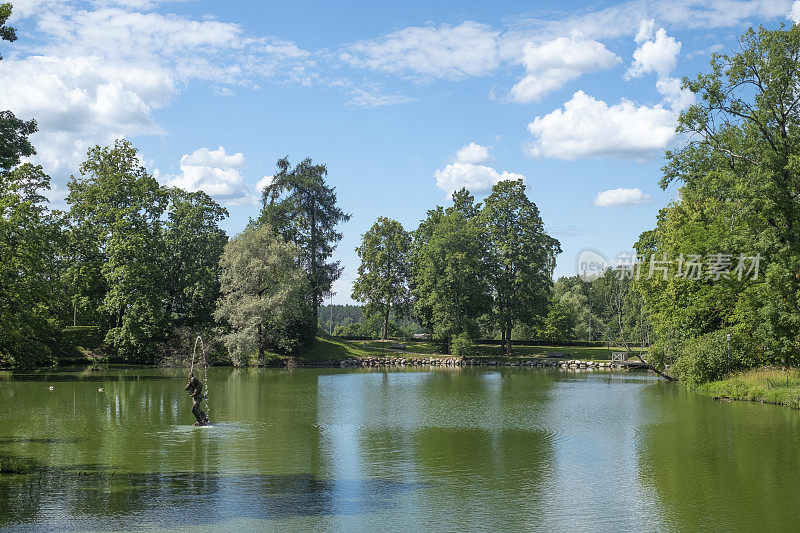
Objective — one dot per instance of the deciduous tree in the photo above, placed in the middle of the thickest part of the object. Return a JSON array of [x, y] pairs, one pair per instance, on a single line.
[[521, 257], [115, 210], [384, 271], [263, 295]]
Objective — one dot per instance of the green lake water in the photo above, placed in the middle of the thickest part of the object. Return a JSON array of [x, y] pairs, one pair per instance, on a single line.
[[405, 450]]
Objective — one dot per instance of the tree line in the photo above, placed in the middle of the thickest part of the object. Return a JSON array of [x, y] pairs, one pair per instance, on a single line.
[[467, 269], [738, 178], [144, 264], [141, 262]]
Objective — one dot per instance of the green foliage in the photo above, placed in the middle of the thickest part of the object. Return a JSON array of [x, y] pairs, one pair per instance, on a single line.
[[384, 270], [339, 315], [477, 268], [707, 357], [521, 256], [28, 238], [462, 345], [7, 33], [14, 143], [302, 209], [264, 295], [371, 326], [14, 132], [559, 325], [193, 244], [740, 174], [116, 209], [449, 274], [573, 295]]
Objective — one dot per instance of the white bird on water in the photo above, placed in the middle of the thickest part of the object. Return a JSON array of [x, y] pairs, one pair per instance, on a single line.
[[100, 389]]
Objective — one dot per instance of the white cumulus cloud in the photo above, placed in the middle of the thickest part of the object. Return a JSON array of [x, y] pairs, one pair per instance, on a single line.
[[216, 173], [476, 178], [678, 99], [473, 153], [262, 184], [657, 53], [98, 72], [549, 65], [794, 14], [621, 197], [466, 171], [588, 127]]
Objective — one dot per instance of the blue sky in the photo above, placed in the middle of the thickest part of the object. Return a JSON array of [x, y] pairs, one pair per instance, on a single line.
[[403, 101]]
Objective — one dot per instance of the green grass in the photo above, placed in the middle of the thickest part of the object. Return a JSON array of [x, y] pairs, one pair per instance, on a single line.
[[327, 348], [765, 385], [424, 347], [569, 352]]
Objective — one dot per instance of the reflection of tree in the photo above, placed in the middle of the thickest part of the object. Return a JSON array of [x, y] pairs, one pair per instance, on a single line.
[[53, 496], [723, 467], [141, 465], [474, 445]]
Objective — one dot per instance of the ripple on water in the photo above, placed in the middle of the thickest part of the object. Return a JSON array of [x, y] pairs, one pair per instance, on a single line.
[[221, 429]]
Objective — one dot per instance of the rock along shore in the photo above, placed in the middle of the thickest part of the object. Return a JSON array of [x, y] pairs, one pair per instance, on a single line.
[[563, 364]]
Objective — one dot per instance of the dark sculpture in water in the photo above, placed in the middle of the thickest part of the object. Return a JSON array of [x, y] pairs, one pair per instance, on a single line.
[[195, 389]]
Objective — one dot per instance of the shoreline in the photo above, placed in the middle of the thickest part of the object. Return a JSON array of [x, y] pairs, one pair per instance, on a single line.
[[765, 385], [540, 362], [416, 360]]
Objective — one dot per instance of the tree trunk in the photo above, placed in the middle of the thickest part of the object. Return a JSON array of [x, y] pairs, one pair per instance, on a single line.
[[654, 369], [260, 344], [385, 330], [315, 292], [315, 308], [509, 349]]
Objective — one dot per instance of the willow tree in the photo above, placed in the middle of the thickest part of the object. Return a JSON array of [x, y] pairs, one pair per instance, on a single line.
[[302, 209], [263, 295], [385, 267]]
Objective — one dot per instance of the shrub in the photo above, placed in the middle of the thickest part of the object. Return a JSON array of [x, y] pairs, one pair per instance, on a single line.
[[706, 357], [462, 345]]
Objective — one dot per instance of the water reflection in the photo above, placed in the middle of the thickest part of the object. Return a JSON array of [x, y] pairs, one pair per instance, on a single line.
[[443, 450], [721, 466], [78, 498]]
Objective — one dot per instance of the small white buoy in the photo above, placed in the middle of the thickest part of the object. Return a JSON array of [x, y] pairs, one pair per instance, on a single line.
[[52, 388], [100, 389]]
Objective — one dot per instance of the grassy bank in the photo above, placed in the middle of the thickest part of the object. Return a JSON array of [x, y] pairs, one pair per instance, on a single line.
[[327, 348], [85, 346], [766, 385], [496, 351]]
